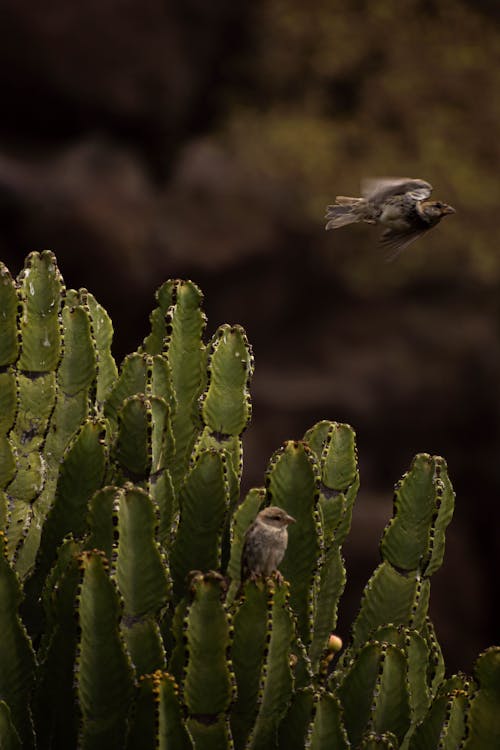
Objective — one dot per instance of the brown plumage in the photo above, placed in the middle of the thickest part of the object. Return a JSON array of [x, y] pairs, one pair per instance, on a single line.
[[400, 204], [265, 542]]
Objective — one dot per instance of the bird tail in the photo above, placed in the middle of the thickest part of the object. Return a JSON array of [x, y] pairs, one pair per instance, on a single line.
[[345, 211]]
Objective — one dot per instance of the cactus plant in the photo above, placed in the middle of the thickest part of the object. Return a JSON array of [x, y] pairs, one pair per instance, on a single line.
[[123, 622]]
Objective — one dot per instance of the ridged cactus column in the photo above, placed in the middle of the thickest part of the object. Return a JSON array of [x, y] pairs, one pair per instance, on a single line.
[[263, 634], [400, 662], [17, 662]]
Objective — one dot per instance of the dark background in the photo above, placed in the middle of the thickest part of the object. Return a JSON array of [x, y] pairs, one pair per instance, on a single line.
[[142, 140]]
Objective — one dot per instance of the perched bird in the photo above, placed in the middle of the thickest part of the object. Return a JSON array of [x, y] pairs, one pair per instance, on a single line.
[[265, 542], [400, 204]]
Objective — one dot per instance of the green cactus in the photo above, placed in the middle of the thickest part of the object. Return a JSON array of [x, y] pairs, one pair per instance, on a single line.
[[17, 659], [123, 620]]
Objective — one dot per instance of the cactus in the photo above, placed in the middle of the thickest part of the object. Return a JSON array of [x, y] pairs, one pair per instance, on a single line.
[[122, 617]]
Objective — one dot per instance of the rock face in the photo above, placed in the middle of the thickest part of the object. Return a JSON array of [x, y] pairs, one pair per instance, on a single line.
[[146, 140]]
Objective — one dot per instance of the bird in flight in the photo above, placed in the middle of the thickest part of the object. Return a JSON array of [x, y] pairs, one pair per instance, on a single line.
[[399, 204]]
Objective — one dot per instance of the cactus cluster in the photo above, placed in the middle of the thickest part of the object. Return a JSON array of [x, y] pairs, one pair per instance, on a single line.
[[123, 622]]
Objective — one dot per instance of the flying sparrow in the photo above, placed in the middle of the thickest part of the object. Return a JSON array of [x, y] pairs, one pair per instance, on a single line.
[[400, 204], [265, 542]]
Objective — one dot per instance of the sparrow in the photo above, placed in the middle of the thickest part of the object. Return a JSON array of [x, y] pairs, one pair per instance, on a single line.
[[400, 204], [265, 542]]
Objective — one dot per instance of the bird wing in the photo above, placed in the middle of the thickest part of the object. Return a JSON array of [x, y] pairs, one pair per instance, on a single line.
[[380, 188], [247, 554], [396, 241]]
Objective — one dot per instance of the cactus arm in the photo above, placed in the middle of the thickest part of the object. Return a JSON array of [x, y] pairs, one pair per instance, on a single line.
[[142, 578], [177, 325], [165, 296], [436, 667], [204, 501], [36, 394], [332, 578], [251, 629], [483, 719], [416, 652], [296, 724], [225, 405], [423, 506], [102, 336], [161, 434], [8, 400], [77, 368], [9, 352], [373, 692], [161, 490], [161, 378], [40, 286], [102, 520], [334, 445], [140, 405], [391, 597], [314, 720], [8, 468], [327, 730], [208, 686], [348, 497], [74, 379], [225, 408], [122, 523], [141, 572], [103, 673], [174, 640], [157, 720], [142, 637], [423, 502], [57, 721], [81, 474], [16, 656], [9, 738], [443, 727], [133, 450], [185, 352], [9, 301], [292, 483], [276, 677], [131, 380]]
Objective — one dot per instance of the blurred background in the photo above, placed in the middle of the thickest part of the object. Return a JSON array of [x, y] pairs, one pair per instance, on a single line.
[[152, 139]]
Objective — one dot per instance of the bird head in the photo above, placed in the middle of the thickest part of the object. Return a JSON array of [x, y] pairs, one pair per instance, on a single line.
[[434, 211], [274, 516]]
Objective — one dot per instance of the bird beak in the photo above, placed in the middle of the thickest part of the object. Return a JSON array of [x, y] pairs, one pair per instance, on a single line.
[[289, 520], [448, 210]]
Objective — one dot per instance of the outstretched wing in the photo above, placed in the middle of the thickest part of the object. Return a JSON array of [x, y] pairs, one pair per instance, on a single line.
[[395, 242], [381, 188]]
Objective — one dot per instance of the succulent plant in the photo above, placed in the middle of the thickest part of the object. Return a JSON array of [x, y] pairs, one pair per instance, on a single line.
[[123, 622]]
